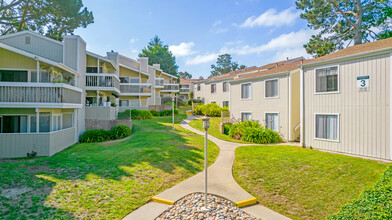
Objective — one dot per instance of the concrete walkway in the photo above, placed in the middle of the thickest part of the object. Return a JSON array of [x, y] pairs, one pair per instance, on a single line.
[[220, 182]]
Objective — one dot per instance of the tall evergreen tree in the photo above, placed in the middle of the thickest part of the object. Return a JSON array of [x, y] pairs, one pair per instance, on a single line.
[[159, 53], [341, 22], [185, 75], [225, 65], [53, 18]]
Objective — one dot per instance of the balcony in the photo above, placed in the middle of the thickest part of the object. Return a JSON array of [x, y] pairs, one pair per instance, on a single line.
[[39, 95], [159, 82], [142, 89], [102, 81], [184, 90], [170, 88]]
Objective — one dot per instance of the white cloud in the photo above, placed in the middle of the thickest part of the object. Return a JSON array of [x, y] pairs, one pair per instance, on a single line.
[[199, 59], [271, 18], [216, 23], [282, 42], [183, 49], [133, 40], [221, 30]]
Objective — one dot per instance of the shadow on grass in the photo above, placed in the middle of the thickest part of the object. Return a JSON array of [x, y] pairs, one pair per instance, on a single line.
[[103, 180]]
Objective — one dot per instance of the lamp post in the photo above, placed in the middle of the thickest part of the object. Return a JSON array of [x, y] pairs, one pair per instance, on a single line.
[[173, 98], [206, 125]]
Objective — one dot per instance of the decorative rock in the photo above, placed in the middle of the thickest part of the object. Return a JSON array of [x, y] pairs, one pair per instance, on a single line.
[[189, 207]]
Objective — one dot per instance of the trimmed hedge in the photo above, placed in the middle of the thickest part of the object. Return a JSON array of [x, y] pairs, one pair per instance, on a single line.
[[252, 131], [94, 136], [164, 113], [375, 203], [135, 114], [211, 110]]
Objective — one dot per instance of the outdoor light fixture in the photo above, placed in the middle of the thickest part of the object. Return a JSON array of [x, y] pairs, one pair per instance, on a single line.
[[206, 125]]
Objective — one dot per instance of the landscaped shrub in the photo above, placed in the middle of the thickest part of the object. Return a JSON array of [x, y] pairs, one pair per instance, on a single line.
[[168, 112], [155, 113], [140, 114], [93, 136], [375, 203], [126, 115], [226, 128], [253, 131], [211, 110], [119, 132]]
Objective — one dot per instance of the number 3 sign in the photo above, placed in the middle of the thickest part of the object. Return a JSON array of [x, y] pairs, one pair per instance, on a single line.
[[363, 82]]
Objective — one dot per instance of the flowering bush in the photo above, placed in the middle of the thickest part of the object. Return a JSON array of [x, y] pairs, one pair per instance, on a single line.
[[211, 110]]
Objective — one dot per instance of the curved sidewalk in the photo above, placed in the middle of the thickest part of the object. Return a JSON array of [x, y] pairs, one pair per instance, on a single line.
[[220, 182]]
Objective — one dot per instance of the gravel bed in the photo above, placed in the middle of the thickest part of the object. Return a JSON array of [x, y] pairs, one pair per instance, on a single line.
[[190, 206]]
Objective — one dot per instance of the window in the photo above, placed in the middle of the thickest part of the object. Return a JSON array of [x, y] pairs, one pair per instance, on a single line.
[[272, 121], [134, 80], [93, 69], [198, 87], [213, 88], [134, 103], [124, 80], [91, 101], [271, 88], [327, 127], [246, 116], [225, 86], [56, 119], [225, 104], [327, 79], [246, 91], [33, 123], [44, 122], [13, 75], [44, 76], [14, 124], [124, 103], [67, 121]]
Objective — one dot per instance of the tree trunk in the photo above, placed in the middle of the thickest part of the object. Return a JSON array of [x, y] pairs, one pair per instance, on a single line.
[[358, 30]]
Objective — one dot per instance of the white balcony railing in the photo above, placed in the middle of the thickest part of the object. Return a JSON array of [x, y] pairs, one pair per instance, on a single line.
[[135, 88], [159, 82], [171, 87], [102, 80], [11, 92]]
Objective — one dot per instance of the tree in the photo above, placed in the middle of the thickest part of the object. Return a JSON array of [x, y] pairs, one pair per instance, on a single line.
[[159, 53], [345, 21], [185, 75], [224, 65], [53, 18]]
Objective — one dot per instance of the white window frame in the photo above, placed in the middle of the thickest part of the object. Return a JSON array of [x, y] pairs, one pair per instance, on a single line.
[[265, 118], [67, 113], [315, 80], [228, 102], [250, 92], [55, 119], [27, 126], [228, 86], [251, 115], [211, 88], [265, 89], [338, 129]]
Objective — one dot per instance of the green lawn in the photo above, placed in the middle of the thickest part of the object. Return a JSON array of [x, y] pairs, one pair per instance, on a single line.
[[106, 180], [214, 129], [303, 183]]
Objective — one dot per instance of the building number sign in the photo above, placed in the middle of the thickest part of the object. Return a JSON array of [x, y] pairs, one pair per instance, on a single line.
[[363, 83]]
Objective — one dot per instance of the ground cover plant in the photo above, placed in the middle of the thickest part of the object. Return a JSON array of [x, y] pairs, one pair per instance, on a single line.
[[375, 202], [100, 135], [307, 184], [103, 180]]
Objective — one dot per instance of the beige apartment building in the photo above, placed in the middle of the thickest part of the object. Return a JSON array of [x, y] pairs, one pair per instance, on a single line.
[[270, 94], [187, 86], [51, 91], [346, 98]]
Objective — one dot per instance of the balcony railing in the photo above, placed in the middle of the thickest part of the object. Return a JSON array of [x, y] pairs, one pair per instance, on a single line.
[[102, 80], [159, 82], [171, 87], [184, 90], [129, 88], [11, 92]]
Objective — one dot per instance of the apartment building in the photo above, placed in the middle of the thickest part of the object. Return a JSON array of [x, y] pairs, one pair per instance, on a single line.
[[346, 99], [51, 91], [186, 87], [271, 95], [42, 93]]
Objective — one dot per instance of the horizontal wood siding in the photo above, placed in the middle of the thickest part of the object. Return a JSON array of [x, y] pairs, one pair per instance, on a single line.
[[364, 116]]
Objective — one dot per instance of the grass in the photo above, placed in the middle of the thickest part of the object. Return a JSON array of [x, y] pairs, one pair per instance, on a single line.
[[303, 183], [105, 180], [214, 129]]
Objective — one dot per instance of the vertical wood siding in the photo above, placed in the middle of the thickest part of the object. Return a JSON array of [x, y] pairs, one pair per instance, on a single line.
[[364, 116]]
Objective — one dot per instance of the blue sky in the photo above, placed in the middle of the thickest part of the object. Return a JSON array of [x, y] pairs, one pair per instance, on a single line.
[[254, 32]]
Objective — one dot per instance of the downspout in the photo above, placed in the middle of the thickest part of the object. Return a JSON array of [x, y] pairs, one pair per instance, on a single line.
[[302, 107], [289, 104], [390, 107]]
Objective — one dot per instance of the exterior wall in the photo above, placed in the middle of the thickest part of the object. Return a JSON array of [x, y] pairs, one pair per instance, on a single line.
[[258, 105], [11, 60], [364, 117], [100, 113], [200, 93], [128, 73], [219, 96], [42, 47], [45, 144], [106, 124], [295, 107]]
